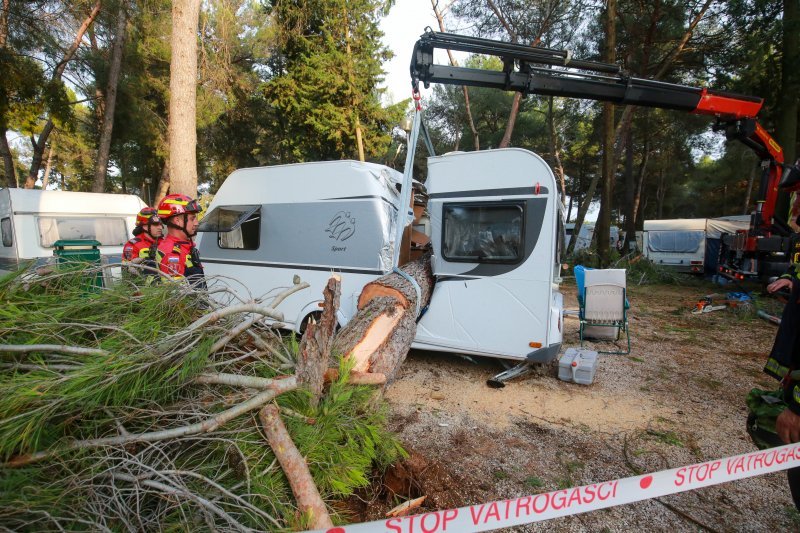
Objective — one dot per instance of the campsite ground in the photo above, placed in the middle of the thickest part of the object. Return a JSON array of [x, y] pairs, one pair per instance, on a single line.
[[677, 399]]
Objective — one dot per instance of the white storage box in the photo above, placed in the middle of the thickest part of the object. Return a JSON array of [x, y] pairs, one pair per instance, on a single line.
[[578, 365]]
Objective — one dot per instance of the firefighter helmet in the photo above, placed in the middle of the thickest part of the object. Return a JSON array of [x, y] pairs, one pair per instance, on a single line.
[[148, 215], [177, 204]]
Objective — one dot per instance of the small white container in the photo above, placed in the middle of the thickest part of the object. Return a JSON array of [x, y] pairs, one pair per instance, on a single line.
[[578, 365]]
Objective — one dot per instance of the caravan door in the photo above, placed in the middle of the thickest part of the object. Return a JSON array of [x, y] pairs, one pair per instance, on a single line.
[[494, 224]]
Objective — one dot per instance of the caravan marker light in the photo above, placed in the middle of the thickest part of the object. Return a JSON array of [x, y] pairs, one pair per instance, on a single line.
[[533, 344]]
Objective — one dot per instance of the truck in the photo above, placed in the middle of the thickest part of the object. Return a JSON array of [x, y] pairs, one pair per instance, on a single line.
[[32, 220]]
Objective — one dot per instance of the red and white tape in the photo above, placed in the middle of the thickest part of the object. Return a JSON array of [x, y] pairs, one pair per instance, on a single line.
[[565, 502]]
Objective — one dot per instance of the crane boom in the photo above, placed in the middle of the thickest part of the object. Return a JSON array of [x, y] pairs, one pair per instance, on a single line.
[[551, 72]]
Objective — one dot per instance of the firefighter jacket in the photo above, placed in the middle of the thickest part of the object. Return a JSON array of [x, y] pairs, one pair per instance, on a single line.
[[784, 359], [138, 247], [179, 259]]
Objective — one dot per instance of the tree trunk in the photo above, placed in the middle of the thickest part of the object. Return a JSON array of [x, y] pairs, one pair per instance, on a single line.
[[49, 166], [183, 98], [39, 144], [475, 138], [315, 348], [104, 148], [380, 335], [603, 226], [163, 184], [4, 23], [630, 192], [583, 208], [559, 168], [788, 100], [8, 160]]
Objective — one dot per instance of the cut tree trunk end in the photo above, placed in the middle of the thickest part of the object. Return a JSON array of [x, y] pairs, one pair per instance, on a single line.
[[380, 335]]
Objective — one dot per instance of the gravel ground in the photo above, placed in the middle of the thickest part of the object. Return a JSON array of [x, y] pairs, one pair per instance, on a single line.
[[677, 399]]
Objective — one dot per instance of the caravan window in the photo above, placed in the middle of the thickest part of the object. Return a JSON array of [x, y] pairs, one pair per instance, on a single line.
[[238, 227], [108, 231], [483, 233], [684, 242], [5, 229]]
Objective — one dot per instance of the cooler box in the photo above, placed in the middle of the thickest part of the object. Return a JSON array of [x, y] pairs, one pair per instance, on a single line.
[[578, 365]]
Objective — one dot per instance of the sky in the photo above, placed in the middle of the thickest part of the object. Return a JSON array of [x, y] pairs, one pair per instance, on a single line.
[[406, 21]]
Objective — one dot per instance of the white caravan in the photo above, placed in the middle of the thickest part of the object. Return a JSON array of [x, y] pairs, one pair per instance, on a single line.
[[496, 219], [687, 244], [32, 220]]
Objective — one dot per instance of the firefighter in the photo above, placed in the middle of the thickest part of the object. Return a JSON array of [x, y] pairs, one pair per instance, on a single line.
[[146, 233], [784, 362], [176, 254]]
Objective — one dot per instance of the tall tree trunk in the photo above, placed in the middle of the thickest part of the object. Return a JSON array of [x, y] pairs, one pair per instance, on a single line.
[[788, 100], [49, 166], [554, 149], [4, 23], [582, 210], [39, 144], [661, 192], [475, 138], [104, 148], [603, 226], [630, 186], [637, 199], [183, 98], [750, 180], [8, 159], [163, 184]]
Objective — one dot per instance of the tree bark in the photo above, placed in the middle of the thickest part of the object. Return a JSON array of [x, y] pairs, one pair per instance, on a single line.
[[475, 138], [39, 144], [315, 349], [380, 335], [309, 501], [163, 184], [603, 226], [183, 98], [8, 160], [104, 147], [630, 185], [49, 166], [789, 101]]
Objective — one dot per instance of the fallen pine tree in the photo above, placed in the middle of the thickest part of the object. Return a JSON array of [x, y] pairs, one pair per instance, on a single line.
[[154, 407]]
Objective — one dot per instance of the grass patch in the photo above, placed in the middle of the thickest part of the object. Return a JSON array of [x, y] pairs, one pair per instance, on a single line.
[[534, 482], [709, 383], [500, 474], [636, 359], [667, 437]]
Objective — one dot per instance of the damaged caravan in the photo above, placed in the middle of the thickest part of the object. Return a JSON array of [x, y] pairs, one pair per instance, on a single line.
[[496, 224]]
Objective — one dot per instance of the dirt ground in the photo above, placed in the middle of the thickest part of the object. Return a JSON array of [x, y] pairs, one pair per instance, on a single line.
[[677, 399]]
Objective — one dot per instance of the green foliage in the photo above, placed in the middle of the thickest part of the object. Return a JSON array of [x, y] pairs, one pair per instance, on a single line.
[[145, 383]]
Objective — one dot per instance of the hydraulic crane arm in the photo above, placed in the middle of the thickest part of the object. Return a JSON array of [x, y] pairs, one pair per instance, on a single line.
[[550, 72]]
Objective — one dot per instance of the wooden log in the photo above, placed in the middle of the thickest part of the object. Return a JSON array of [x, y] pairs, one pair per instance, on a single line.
[[315, 348], [380, 335], [305, 491]]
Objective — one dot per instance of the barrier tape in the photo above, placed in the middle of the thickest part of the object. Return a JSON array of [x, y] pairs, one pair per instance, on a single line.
[[576, 500]]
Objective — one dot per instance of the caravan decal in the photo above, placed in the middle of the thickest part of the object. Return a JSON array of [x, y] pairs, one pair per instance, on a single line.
[[342, 226]]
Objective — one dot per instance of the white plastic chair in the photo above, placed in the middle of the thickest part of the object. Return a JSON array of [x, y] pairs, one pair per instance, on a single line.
[[604, 306]]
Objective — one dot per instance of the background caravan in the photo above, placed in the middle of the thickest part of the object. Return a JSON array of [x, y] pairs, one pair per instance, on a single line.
[[689, 244], [495, 220], [32, 220]]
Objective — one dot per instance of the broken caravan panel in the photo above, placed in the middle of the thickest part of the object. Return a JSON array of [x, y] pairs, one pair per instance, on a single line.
[[267, 224], [31, 220], [496, 219]]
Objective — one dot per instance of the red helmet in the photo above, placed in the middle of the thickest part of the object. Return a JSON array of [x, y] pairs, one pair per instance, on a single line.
[[177, 204], [148, 215]]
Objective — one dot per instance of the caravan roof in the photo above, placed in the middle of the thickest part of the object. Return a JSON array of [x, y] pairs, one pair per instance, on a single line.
[[676, 224], [306, 182], [713, 227], [25, 201]]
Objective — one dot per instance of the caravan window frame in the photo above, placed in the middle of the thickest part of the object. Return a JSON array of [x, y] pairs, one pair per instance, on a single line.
[[249, 217], [7, 232], [520, 252]]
